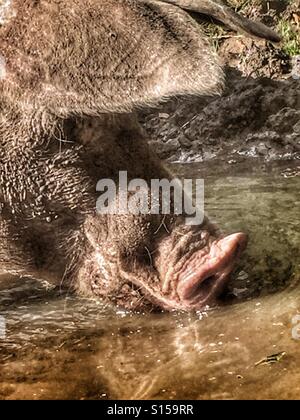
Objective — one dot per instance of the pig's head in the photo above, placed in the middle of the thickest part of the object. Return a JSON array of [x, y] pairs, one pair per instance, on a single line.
[[147, 260]]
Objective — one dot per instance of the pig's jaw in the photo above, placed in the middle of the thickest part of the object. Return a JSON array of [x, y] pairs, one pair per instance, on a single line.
[[189, 285]]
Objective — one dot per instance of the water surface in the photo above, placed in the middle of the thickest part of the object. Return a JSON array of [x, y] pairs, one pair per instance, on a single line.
[[62, 346]]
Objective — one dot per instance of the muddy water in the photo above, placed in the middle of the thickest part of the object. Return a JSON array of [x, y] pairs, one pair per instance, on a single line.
[[61, 346]]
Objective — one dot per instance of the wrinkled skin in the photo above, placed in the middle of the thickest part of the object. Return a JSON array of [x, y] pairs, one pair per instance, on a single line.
[[60, 133]]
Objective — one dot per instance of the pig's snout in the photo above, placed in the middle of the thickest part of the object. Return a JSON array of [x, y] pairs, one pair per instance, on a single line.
[[203, 277], [185, 271]]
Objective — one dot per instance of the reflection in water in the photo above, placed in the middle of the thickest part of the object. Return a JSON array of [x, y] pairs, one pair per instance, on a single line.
[[61, 346]]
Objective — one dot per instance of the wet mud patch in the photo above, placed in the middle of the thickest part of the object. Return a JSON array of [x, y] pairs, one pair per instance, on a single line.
[[254, 118]]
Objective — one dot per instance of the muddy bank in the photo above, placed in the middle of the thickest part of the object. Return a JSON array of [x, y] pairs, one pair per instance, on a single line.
[[258, 114], [253, 118]]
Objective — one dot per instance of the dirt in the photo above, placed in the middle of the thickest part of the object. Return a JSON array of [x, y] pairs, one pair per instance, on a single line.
[[258, 114]]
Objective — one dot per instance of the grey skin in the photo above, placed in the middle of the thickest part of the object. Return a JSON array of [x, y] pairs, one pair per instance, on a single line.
[[72, 74]]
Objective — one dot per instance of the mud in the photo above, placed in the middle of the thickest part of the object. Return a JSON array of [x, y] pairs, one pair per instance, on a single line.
[[254, 118], [258, 114]]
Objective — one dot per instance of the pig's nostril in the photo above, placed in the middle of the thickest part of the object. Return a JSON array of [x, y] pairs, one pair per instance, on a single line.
[[206, 284], [201, 288]]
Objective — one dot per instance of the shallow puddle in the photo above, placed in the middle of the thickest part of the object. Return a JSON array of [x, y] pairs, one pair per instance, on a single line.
[[55, 345]]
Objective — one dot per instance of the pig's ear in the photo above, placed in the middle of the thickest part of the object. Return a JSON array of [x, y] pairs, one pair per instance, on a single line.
[[154, 51], [106, 56], [225, 14]]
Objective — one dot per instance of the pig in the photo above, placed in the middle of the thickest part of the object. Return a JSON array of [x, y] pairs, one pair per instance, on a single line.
[[72, 75]]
